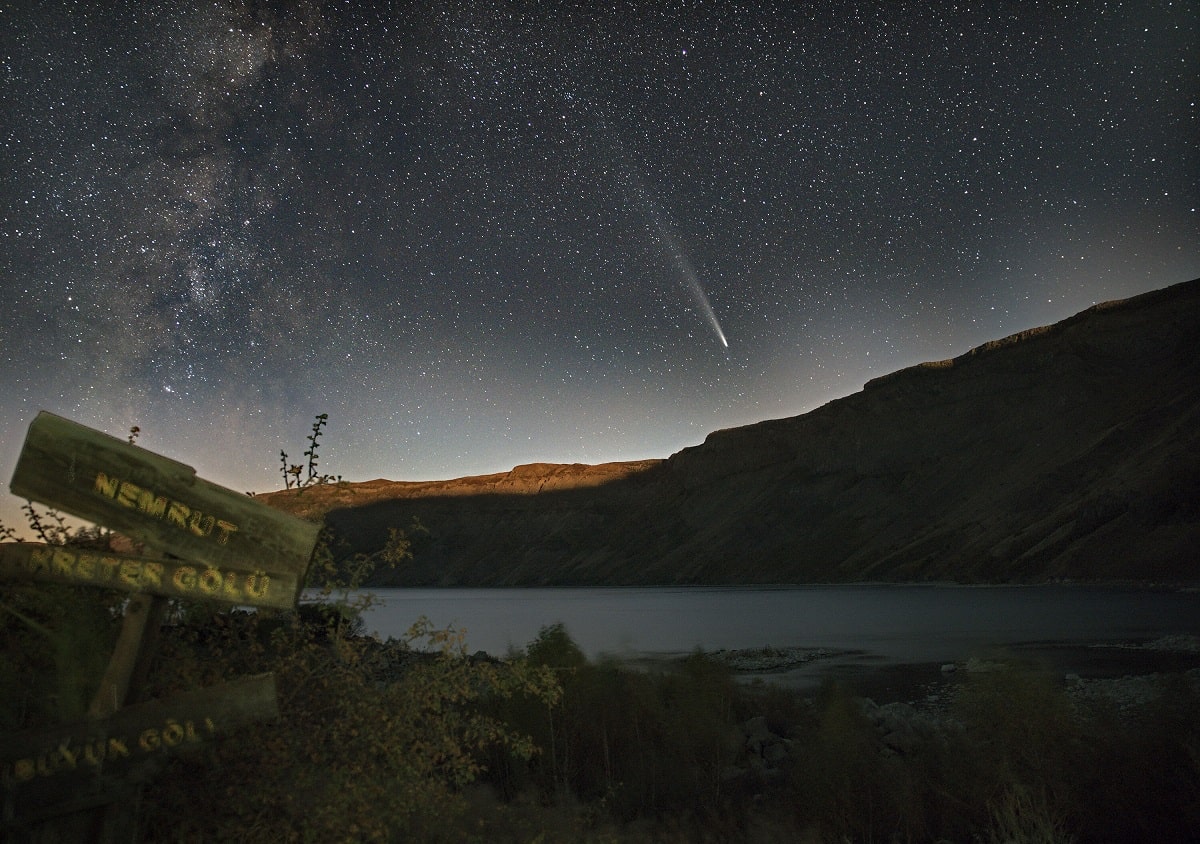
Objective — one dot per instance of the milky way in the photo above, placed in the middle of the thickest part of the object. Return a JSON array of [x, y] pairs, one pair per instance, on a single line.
[[222, 218]]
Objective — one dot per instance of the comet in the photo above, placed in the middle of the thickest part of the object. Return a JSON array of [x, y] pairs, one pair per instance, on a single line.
[[668, 240], [687, 272]]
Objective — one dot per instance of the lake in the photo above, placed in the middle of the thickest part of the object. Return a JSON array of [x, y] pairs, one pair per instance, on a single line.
[[879, 624]]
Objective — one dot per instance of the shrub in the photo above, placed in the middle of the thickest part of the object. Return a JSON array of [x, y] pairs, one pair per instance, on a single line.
[[365, 749], [631, 743], [837, 783], [1025, 740], [56, 641]]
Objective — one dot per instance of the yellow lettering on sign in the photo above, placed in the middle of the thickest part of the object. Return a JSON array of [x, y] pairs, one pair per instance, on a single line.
[[152, 505], [105, 485], [185, 578], [210, 581], [24, 770], [110, 566], [85, 566], [64, 752], [257, 584], [39, 560], [63, 563], [129, 572], [172, 734], [149, 740], [94, 752], [227, 529], [175, 513], [137, 574], [152, 574], [128, 494], [201, 524]]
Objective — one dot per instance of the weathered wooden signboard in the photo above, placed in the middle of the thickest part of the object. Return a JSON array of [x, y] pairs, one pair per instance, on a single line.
[[82, 761], [161, 502], [169, 578], [204, 542]]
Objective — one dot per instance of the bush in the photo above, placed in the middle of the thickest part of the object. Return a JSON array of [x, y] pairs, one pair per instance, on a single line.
[[363, 751], [630, 743], [1026, 742], [842, 785], [56, 641]]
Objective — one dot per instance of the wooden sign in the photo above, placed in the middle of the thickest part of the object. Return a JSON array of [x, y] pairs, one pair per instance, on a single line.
[[226, 546], [81, 763], [161, 502], [168, 578]]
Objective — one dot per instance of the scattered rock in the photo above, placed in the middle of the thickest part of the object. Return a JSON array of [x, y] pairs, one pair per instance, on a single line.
[[975, 665], [1177, 643], [1128, 693], [769, 658], [1180, 643], [903, 729], [761, 753]]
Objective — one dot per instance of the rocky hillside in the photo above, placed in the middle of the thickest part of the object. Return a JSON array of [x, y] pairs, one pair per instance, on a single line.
[[1070, 451]]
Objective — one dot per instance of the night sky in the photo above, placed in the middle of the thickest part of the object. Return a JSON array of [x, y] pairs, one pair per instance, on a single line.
[[484, 234]]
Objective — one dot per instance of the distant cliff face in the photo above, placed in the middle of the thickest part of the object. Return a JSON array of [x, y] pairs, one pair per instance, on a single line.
[[1070, 451]]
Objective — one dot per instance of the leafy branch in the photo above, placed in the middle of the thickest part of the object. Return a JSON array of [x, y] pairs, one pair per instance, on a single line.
[[300, 476], [50, 528], [339, 580]]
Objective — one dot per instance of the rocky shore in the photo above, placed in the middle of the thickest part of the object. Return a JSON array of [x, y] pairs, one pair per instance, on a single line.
[[770, 660], [1126, 675], [902, 727]]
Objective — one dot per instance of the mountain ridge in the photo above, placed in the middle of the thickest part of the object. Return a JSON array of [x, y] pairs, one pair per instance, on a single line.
[[1067, 451]]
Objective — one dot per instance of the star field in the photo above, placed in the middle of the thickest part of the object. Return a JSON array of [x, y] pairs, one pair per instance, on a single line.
[[478, 234]]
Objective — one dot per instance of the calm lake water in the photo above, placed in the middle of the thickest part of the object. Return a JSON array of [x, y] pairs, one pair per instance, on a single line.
[[887, 623]]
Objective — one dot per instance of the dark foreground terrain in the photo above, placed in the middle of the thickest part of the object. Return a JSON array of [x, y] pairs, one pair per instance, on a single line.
[[998, 749], [415, 740]]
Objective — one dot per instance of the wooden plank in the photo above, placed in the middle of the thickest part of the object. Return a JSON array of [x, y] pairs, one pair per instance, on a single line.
[[78, 764], [139, 730], [157, 500], [139, 636], [128, 573], [120, 685]]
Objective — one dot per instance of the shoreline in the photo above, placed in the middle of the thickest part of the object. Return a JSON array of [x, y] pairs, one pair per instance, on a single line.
[[1081, 666]]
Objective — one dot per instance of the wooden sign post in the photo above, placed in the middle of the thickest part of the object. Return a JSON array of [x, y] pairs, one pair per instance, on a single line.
[[153, 576], [205, 542], [161, 502], [69, 767]]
